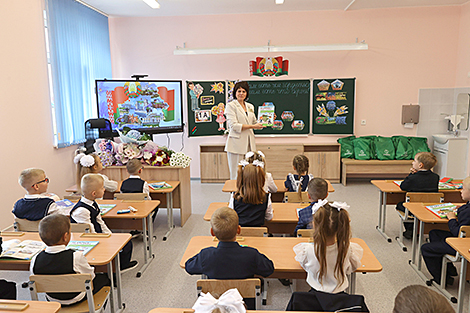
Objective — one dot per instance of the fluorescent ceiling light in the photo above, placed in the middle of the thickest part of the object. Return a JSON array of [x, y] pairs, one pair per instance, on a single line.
[[279, 1], [154, 4], [270, 48]]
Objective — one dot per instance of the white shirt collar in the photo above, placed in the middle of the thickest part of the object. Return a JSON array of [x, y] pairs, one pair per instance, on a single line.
[[36, 196], [134, 176], [86, 201], [55, 249]]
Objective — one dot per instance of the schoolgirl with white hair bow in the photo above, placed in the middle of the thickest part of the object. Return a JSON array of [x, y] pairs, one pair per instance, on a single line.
[[250, 157], [331, 256], [229, 302], [91, 163]]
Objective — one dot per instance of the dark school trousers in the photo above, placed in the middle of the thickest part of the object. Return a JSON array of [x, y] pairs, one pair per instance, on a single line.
[[435, 250]]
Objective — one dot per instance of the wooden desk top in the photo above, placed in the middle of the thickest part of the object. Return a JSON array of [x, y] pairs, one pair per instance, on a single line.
[[282, 212], [182, 310], [231, 186], [173, 183], [424, 215], [144, 208], [280, 251], [390, 187], [461, 245], [102, 254], [34, 306]]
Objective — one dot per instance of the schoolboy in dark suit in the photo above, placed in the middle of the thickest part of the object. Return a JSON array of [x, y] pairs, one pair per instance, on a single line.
[[437, 247], [317, 190], [135, 184], [421, 179]]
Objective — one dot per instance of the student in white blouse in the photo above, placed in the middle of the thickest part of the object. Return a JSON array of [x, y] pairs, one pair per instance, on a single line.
[[241, 120]]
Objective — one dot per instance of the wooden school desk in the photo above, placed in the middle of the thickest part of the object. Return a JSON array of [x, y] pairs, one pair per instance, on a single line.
[[181, 310], [427, 221], [140, 220], [231, 186], [101, 255], [391, 194], [33, 306], [280, 251], [168, 201], [461, 245], [284, 216]]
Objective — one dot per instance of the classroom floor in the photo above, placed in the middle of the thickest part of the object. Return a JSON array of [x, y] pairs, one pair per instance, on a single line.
[[165, 284]]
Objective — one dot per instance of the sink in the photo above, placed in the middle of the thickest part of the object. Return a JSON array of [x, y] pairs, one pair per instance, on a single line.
[[444, 138]]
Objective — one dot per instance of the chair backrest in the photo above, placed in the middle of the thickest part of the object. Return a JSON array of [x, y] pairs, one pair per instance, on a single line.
[[248, 288], [130, 196], [304, 232], [80, 227], [254, 231], [73, 197], [293, 197], [464, 231], [22, 224], [428, 197]]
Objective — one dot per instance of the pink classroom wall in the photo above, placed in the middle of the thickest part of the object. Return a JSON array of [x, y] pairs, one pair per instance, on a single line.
[[406, 53], [463, 61]]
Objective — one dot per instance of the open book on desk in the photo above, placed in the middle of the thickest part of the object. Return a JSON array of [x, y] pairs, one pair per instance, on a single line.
[[441, 209], [84, 246], [22, 250], [159, 186], [105, 208]]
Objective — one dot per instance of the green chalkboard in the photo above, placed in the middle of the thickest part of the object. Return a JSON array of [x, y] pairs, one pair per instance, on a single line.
[[206, 105], [291, 100], [333, 106]]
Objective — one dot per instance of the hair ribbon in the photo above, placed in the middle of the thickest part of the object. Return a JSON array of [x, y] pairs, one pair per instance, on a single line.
[[85, 160], [258, 163], [318, 205], [261, 153], [340, 205], [249, 154], [243, 163], [229, 301]]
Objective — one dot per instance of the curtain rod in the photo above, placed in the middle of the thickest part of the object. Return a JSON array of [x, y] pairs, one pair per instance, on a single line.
[[93, 8]]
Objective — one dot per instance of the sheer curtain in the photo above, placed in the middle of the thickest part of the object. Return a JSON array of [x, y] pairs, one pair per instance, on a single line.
[[79, 54]]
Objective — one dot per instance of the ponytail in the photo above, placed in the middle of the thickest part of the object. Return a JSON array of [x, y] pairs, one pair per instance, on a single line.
[[250, 183]]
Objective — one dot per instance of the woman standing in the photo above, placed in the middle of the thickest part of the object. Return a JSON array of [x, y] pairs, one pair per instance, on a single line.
[[241, 120]]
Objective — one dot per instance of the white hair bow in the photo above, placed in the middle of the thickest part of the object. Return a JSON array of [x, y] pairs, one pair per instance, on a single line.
[[318, 205], [340, 205], [85, 160], [229, 301], [77, 158], [261, 153], [249, 154], [258, 163], [243, 163]]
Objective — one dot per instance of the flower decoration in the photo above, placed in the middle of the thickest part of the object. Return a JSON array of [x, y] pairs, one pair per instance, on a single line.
[[180, 159]]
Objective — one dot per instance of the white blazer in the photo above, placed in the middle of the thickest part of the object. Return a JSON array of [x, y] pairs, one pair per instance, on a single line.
[[237, 141]]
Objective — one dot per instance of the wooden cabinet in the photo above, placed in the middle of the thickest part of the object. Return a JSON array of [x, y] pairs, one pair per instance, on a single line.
[[214, 164], [324, 161]]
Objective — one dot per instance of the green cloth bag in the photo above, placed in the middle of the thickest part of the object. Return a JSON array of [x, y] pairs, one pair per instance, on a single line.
[[362, 148], [403, 149], [373, 153], [384, 148], [347, 147], [419, 144]]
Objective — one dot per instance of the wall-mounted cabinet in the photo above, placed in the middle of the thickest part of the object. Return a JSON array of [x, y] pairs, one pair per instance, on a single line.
[[214, 164]]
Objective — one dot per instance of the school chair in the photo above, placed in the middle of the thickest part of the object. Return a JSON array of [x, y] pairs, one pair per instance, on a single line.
[[73, 197], [25, 225], [464, 232], [293, 197], [305, 233], [427, 197], [254, 231], [70, 283], [249, 288], [130, 196]]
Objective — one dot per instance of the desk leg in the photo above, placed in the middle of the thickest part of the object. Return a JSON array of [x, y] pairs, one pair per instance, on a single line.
[[111, 278], [382, 210], [148, 235], [462, 277], [416, 249], [171, 224], [352, 284], [118, 282]]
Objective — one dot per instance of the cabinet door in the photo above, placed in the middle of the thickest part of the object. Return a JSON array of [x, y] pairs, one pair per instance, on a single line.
[[209, 166], [331, 166], [223, 170], [279, 158], [315, 163]]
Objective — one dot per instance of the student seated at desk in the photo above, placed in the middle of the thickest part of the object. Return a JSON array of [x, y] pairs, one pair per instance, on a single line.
[[421, 179], [54, 230], [135, 184], [36, 204], [331, 256], [317, 190], [88, 211], [91, 163], [269, 185], [250, 201], [438, 247], [298, 182]]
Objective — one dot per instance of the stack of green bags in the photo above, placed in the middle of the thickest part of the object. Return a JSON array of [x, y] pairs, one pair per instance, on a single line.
[[382, 148]]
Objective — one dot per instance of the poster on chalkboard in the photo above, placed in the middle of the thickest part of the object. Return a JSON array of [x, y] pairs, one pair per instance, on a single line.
[[333, 106], [206, 106], [282, 105]]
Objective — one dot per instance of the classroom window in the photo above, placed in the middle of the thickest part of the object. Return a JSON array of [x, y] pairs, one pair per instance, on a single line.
[[78, 52]]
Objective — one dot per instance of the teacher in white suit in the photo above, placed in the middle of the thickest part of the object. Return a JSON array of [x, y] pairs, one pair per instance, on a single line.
[[241, 120]]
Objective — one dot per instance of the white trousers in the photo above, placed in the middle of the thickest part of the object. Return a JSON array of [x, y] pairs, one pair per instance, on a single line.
[[233, 160]]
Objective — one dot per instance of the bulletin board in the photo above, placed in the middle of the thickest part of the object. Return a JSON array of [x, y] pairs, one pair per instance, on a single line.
[[291, 105], [206, 106], [333, 106]]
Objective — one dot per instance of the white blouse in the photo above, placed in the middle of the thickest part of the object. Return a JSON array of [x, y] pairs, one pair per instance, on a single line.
[[109, 185], [269, 185], [305, 255]]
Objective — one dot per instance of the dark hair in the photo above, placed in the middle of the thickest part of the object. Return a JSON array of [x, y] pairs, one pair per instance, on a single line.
[[300, 163], [53, 227], [318, 188], [421, 299], [239, 85]]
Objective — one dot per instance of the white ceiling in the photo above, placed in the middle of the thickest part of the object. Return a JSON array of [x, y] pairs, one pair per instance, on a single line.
[[208, 7]]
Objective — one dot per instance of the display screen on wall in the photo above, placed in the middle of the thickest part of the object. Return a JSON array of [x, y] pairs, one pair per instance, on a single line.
[[206, 106], [333, 106], [283, 106]]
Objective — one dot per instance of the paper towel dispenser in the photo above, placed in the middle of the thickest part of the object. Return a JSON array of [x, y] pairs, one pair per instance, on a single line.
[[410, 113]]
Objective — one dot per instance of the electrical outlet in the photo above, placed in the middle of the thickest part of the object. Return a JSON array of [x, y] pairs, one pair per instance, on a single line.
[[363, 122]]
